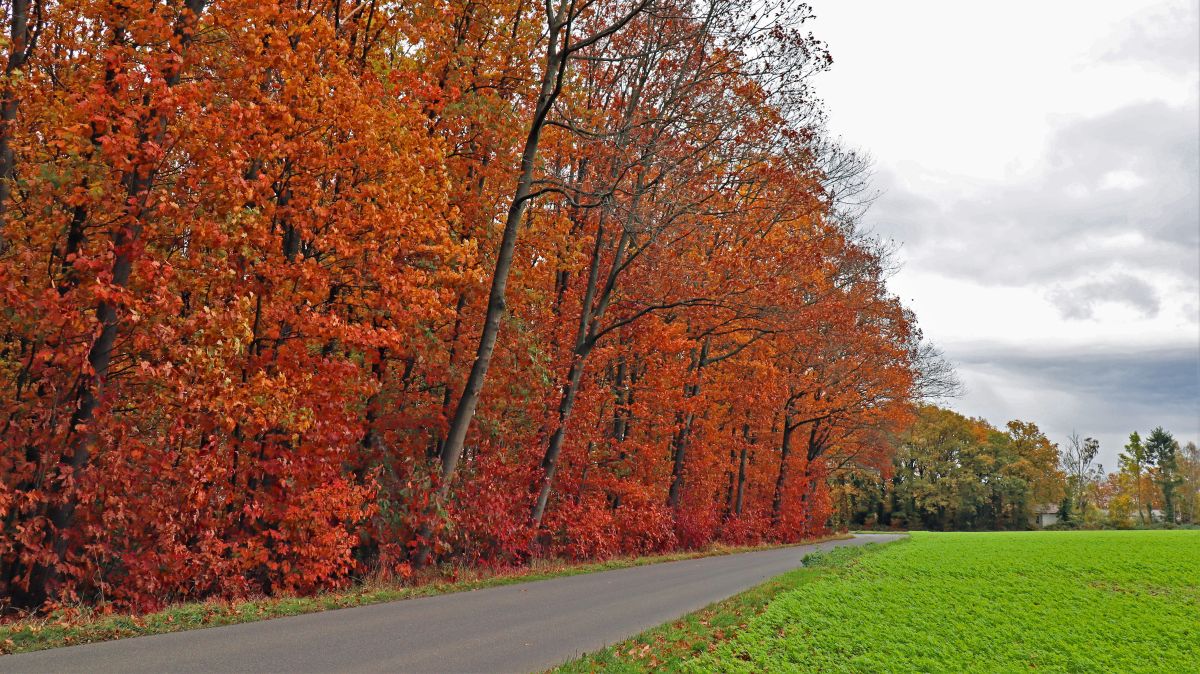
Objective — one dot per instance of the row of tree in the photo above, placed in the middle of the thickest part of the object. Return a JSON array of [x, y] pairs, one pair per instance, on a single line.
[[953, 472], [295, 291], [1157, 481]]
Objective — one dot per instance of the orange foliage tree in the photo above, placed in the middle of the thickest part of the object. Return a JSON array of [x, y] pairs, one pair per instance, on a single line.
[[295, 292]]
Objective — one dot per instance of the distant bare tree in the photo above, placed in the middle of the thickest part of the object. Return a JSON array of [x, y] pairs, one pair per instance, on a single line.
[[936, 378], [846, 177], [1076, 460]]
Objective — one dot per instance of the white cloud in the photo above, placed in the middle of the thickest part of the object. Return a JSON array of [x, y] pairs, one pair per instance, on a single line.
[[1040, 164], [1124, 290], [1163, 37], [1121, 179]]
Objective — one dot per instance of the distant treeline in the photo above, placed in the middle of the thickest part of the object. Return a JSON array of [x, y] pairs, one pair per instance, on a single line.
[[951, 472]]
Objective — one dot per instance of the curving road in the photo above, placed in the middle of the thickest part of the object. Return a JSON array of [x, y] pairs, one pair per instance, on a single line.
[[523, 627]]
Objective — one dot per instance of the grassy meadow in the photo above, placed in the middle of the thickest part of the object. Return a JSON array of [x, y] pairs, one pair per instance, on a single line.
[[1072, 601]]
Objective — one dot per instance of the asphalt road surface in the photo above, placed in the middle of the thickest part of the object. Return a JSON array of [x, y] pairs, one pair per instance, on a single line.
[[515, 628]]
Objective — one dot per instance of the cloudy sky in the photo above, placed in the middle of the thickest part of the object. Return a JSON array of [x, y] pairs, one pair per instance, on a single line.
[[1039, 165]]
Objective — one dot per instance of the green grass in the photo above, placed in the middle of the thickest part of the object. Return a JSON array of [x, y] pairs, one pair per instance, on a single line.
[[1072, 601], [86, 625], [673, 646]]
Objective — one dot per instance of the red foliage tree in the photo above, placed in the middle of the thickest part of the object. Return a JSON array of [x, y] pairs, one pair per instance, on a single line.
[[258, 262]]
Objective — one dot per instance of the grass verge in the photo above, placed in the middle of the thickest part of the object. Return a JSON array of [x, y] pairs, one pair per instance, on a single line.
[[76, 626], [671, 646]]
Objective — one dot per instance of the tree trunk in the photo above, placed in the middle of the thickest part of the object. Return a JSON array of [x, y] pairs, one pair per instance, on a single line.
[[785, 451], [554, 449], [18, 54], [585, 334], [741, 484], [464, 412], [1141, 498], [439, 442], [680, 440], [678, 448], [620, 427], [731, 489]]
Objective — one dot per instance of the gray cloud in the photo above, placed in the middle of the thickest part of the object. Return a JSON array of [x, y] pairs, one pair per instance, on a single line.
[[1101, 394], [1117, 192], [906, 215], [1108, 215], [1163, 38], [1080, 300]]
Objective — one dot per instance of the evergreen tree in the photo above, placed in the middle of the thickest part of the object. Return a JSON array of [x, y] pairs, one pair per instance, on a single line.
[[1162, 453]]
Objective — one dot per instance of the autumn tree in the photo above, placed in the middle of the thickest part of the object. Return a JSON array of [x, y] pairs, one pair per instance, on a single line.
[[951, 472], [197, 344], [561, 46], [1135, 463], [1033, 461]]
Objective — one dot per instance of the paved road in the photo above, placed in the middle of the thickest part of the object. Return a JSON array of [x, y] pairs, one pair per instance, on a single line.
[[523, 627]]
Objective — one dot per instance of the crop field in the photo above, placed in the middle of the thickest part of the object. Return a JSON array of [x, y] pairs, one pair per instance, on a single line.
[[1104, 601]]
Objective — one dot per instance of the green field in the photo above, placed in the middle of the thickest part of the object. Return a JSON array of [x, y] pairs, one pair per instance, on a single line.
[[1105, 601]]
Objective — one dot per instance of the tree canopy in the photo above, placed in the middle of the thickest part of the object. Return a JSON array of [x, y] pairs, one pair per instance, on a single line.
[[295, 292]]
